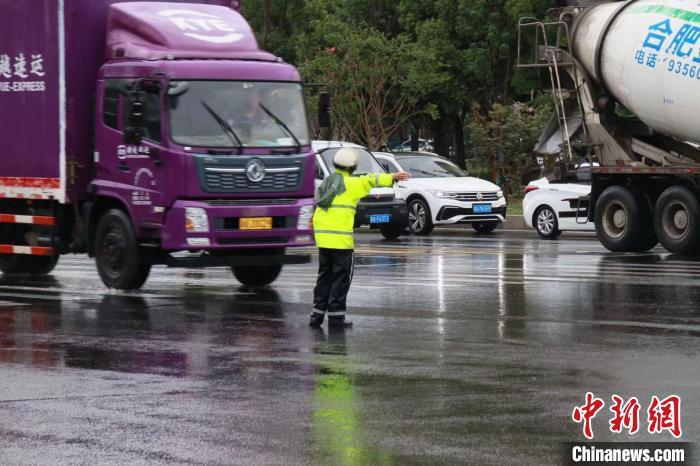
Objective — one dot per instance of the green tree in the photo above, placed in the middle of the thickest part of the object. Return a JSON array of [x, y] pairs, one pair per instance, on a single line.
[[464, 54], [502, 141], [288, 22], [364, 69]]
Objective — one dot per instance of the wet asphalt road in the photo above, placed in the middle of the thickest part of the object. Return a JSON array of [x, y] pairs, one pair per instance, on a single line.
[[465, 349]]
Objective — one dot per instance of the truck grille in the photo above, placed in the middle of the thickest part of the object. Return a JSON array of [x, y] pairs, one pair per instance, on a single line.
[[228, 174], [249, 202], [474, 197], [222, 182]]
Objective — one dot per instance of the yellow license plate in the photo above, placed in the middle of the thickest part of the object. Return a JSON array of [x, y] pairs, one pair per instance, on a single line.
[[256, 223]]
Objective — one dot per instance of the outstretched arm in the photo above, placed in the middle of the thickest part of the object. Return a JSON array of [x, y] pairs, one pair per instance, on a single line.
[[383, 180]]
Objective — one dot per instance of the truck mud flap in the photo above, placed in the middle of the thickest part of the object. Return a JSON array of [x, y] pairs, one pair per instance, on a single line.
[[206, 261]]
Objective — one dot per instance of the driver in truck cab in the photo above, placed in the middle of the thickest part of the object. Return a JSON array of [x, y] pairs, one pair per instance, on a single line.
[[334, 222]]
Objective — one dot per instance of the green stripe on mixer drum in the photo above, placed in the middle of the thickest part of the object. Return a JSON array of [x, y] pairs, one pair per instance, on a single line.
[[685, 15]]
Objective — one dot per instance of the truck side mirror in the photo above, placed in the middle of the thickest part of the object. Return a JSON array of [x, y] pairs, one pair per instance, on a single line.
[[136, 113], [134, 121], [324, 109]]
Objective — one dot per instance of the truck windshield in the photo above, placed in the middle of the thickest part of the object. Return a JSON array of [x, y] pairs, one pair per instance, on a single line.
[[225, 114]]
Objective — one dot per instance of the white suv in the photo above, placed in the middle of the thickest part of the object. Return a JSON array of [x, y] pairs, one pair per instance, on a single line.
[[440, 193]]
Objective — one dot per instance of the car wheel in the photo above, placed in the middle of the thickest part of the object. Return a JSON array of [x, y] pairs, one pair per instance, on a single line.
[[485, 227], [546, 223], [420, 221]]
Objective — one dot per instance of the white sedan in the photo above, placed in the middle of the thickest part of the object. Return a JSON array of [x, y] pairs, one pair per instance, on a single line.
[[440, 193], [551, 208]]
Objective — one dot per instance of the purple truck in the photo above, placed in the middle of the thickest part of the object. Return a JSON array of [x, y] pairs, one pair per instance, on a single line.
[[147, 133]]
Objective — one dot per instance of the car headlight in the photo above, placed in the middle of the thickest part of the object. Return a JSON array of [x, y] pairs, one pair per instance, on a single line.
[[196, 220], [306, 214], [500, 194], [443, 194]]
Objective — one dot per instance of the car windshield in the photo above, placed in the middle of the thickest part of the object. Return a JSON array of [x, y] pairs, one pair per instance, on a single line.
[[225, 114], [368, 164], [430, 167]]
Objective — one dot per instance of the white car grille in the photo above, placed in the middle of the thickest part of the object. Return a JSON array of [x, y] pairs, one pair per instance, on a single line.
[[476, 197]]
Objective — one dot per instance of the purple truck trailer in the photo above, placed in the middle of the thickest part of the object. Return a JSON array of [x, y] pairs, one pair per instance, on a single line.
[[147, 133]]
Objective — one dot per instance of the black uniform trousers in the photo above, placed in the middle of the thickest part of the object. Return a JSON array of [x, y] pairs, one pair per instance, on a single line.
[[335, 269]]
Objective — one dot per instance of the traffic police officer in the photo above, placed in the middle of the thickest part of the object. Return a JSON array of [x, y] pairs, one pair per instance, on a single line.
[[334, 221]]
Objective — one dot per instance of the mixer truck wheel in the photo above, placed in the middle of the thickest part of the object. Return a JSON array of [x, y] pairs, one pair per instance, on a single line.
[[648, 239], [121, 262], [622, 221], [256, 276], [677, 220]]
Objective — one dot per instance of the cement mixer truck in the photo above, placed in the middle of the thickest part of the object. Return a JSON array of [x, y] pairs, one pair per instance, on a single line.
[[626, 84]]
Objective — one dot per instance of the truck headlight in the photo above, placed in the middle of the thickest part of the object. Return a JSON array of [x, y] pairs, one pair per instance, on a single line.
[[442, 194], [196, 220], [306, 214]]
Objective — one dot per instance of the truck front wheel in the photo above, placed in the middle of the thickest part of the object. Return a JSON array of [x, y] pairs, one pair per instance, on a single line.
[[18, 264], [121, 262], [256, 276], [677, 220], [623, 221]]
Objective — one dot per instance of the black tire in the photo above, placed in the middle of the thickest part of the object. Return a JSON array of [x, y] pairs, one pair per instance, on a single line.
[[648, 240], [485, 227], [121, 263], [19, 264], [256, 276], [677, 220], [623, 221], [546, 223], [392, 232], [420, 220]]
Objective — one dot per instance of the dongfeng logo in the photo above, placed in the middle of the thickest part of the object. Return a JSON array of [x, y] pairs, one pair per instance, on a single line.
[[479, 196], [255, 171], [203, 26]]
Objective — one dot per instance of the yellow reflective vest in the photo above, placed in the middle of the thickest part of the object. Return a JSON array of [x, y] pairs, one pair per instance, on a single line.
[[333, 227]]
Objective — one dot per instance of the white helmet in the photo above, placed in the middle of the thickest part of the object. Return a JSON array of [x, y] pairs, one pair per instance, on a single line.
[[346, 159]]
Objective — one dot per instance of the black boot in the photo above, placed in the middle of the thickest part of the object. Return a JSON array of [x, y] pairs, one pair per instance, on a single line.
[[316, 320], [339, 322]]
